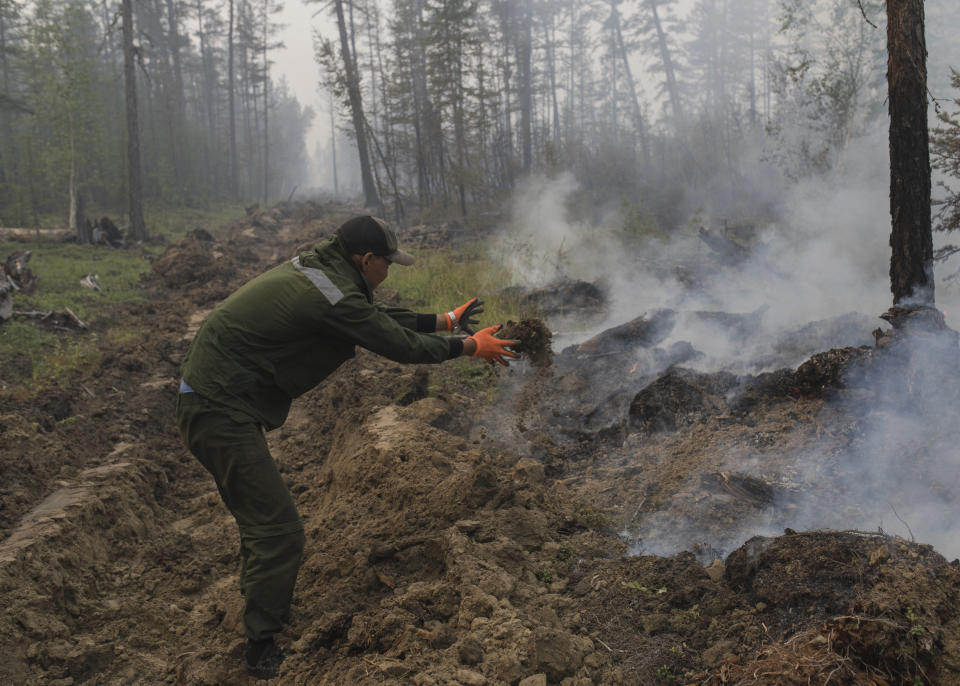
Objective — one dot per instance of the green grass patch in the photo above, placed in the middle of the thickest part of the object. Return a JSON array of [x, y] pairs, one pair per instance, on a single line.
[[52, 355], [60, 267], [441, 280]]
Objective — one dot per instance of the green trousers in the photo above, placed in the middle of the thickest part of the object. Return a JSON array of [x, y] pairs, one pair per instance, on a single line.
[[234, 451]]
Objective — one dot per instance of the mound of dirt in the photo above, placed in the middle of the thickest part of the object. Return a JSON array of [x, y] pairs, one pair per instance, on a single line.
[[677, 399], [889, 609], [195, 259]]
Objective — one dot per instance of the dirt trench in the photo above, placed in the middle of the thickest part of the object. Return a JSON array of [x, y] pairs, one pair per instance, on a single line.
[[449, 540]]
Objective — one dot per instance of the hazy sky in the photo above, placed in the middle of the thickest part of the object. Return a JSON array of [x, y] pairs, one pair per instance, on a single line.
[[296, 64]]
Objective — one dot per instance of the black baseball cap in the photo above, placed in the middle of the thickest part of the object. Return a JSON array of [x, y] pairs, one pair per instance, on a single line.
[[365, 233]]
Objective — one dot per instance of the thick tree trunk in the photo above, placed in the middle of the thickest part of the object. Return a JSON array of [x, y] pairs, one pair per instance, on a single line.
[[371, 197], [911, 240], [138, 229]]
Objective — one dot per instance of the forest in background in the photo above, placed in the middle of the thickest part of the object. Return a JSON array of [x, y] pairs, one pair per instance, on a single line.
[[656, 105]]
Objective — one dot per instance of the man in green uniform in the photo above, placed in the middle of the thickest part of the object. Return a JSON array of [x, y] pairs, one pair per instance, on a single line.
[[272, 340]]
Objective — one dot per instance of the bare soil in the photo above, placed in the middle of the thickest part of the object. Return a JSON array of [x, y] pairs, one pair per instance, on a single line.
[[465, 525]]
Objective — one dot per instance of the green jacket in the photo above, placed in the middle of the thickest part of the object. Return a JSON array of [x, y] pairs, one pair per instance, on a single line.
[[285, 331]]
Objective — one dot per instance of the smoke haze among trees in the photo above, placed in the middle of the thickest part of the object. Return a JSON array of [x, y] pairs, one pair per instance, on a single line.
[[205, 95], [659, 108]]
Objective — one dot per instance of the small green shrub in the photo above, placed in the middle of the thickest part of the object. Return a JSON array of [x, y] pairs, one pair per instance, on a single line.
[[664, 673]]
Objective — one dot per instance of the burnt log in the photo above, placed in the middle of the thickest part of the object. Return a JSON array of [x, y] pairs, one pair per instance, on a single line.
[[642, 332]]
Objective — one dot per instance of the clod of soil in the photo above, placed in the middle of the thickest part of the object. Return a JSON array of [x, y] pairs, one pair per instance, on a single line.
[[534, 340]]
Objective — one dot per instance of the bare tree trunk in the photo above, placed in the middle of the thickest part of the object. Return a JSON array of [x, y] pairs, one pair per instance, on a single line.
[[234, 189], [667, 60], [266, 104], [83, 224], [176, 98], [506, 152], [72, 222], [524, 53], [634, 99], [911, 239], [209, 79], [371, 198], [460, 133], [550, 36], [6, 148], [421, 109], [266, 140], [333, 147], [138, 229]]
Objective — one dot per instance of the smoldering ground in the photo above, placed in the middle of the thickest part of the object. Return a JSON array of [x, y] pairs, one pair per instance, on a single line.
[[813, 278]]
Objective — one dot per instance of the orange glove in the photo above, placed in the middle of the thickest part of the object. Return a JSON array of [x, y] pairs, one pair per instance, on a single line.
[[491, 348], [460, 318]]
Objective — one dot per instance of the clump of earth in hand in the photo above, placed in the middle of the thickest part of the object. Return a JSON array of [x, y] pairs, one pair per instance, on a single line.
[[533, 340]]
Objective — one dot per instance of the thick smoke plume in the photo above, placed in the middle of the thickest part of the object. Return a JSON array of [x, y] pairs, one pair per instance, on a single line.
[[825, 256]]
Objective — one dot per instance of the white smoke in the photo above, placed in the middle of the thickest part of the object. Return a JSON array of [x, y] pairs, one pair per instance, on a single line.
[[827, 255]]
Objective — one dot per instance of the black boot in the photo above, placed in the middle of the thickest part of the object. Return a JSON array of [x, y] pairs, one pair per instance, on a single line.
[[263, 658]]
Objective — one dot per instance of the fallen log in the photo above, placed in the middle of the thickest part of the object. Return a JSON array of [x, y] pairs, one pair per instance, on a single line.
[[21, 234], [65, 320]]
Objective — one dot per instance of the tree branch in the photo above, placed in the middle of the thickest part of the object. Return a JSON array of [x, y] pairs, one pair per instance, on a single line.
[[864, 13]]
